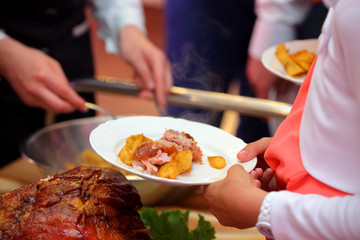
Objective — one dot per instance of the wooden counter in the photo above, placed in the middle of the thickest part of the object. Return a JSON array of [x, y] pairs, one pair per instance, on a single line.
[[21, 172]]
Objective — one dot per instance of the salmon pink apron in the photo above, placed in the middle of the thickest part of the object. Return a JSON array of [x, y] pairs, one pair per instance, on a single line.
[[283, 154]]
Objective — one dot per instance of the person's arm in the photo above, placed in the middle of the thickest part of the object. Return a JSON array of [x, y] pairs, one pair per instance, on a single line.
[[121, 24], [296, 216], [236, 201], [37, 78], [276, 22]]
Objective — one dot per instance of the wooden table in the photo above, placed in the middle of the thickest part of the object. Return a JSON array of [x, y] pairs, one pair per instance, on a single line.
[[21, 172]]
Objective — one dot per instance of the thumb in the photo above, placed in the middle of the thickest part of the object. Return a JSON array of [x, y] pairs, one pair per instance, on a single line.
[[253, 149]]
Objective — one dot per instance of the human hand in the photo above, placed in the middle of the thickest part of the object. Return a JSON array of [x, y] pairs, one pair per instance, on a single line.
[[236, 200], [262, 174], [152, 69], [263, 80], [264, 179], [259, 77], [37, 78], [255, 149]]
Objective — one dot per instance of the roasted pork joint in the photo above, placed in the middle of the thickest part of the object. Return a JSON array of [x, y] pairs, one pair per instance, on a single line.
[[82, 203]]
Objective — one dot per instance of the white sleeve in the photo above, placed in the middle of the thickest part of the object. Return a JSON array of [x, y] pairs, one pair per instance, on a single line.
[[276, 22], [112, 15], [2, 35], [297, 216]]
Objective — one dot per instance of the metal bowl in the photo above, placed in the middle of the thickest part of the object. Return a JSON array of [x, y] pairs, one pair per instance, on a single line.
[[56, 147]]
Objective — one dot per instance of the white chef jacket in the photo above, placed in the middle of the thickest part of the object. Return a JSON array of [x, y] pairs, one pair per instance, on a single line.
[[329, 137], [113, 15], [330, 127]]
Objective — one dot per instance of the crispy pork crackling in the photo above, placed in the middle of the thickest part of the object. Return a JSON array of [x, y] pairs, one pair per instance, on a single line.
[[82, 203]]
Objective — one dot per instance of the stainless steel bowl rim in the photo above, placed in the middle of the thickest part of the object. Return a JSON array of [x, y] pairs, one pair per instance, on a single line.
[[59, 126]]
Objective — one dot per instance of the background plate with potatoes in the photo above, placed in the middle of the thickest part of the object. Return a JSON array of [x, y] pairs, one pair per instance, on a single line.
[[273, 64]]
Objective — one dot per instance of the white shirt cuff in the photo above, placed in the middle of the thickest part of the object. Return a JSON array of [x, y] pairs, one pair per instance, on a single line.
[[114, 15], [264, 219], [2, 35]]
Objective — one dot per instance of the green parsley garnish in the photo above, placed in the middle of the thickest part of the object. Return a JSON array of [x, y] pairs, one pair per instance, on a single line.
[[173, 225]]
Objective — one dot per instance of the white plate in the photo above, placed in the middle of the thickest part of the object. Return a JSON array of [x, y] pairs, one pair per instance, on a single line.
[[108, 138], [273, 64]]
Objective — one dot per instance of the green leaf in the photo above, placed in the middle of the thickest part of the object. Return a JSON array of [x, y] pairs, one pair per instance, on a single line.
[[204, 230], [173, 225]]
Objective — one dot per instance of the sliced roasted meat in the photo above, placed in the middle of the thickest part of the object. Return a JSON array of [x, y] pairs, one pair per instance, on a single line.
[[182, 141]]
